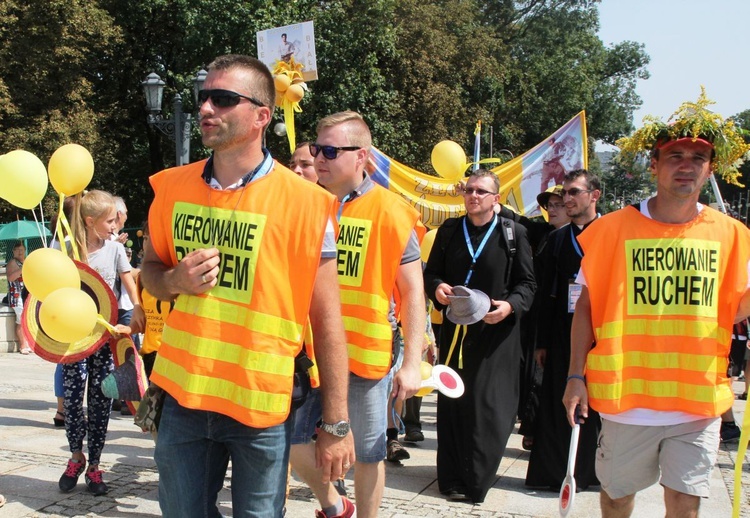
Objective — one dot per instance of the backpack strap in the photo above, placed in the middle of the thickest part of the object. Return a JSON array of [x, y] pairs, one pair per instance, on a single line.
[[509, 237]]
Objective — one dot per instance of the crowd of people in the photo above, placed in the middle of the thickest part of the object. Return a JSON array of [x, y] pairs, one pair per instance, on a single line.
[[285, 313]]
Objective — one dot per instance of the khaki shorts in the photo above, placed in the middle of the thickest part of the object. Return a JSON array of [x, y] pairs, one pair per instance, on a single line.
[[630, 458]]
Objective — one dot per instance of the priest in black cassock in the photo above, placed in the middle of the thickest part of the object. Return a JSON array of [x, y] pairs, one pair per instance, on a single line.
[[556, 299], [492, 254]]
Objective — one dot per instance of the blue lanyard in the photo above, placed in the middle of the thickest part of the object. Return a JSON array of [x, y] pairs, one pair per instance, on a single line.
[[475, 255], [575, 242], [341, 207]]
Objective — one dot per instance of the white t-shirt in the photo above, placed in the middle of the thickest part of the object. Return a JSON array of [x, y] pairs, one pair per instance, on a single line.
[[645, 416]]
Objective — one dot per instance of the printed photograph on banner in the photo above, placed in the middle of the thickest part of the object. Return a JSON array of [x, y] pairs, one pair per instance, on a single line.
[[290, 41], [543, 166]]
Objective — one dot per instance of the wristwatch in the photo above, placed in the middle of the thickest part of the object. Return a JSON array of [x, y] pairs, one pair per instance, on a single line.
[[339, 429]]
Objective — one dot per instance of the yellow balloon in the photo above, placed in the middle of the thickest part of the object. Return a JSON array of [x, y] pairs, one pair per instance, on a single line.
[[68, 315], [449, 160], [425, 370], [294, 93], [71, 168], [281, 82], [426, 245], [46, 270], [23, 179]]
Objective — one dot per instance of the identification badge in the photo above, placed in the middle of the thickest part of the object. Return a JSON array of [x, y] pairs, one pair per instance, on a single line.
[[574, 292]]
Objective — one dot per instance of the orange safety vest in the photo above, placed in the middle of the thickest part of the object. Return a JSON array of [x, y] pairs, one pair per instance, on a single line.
[[374, 230], [232, 350], [156, 314], [663, 300]]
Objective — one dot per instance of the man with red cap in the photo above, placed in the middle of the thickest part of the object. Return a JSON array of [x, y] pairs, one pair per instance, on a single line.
[[663, 282]]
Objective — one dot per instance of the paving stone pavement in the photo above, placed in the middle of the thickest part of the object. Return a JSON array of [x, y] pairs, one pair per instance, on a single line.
[[33, 455]]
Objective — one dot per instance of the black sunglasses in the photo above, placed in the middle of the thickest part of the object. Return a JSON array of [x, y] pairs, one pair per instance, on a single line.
[[224, 98], [479, 192], [330, 152], [575, 191]]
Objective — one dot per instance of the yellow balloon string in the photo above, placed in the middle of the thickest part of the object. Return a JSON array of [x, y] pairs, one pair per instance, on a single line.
[[739, 461], [460, 347], [289, 121], [101, 320], [62, 222]]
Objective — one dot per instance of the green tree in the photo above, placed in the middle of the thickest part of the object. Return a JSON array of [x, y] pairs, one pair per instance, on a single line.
[[622, 187], [54, 58]]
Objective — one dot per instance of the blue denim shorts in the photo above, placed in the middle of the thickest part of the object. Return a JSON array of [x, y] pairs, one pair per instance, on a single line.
[[368, 413], [306, 418]]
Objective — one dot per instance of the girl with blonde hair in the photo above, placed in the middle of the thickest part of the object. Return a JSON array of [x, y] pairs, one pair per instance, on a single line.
[[93, 222]]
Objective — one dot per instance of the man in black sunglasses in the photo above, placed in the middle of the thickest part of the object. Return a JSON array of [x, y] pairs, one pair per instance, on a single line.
[[221, 250], [559, 265], [378, 254]]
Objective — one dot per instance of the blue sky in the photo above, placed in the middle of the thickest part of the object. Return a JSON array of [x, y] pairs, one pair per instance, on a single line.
[[691, 43]]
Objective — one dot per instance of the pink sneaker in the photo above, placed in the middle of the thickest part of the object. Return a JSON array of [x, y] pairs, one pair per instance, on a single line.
[[69, 479], [95, 482], [349, 510]]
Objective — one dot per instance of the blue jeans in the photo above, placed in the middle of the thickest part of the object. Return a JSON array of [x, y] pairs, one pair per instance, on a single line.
[[193, 451]]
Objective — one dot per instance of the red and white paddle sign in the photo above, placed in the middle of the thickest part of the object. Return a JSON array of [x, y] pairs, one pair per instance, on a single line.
[[446, 380], [568, 489]]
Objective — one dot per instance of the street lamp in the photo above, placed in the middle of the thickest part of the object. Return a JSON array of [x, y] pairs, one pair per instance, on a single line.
[[178, 127]]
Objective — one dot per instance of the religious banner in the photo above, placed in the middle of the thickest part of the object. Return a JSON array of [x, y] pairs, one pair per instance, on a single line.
[[521, 179]]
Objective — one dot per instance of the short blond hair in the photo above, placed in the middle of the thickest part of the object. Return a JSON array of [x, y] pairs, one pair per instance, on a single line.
[[356, 129]]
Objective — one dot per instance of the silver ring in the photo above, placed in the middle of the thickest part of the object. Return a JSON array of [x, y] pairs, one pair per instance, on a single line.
[[203, 278]]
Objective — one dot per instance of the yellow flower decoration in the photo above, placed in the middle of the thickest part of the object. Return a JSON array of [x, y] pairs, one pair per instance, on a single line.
[[691, 120], [290, 89]]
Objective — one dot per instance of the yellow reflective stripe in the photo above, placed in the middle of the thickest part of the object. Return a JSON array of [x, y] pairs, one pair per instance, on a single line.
[[660, 389], [367, 300], [214, 309], [686, 328], [368, 329], [234, 394], [369, 357], [228, 352], [674, 360]]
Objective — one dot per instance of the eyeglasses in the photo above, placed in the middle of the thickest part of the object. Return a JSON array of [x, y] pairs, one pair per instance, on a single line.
[[575, 191], [330, 152], [225, 98], [556, 206], [479, 192]]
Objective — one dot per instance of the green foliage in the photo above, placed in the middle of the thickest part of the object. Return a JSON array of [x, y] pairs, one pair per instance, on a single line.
[[624, 186]]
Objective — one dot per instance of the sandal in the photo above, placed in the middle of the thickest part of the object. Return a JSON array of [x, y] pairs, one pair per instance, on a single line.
[[59, 421], [25, 351]]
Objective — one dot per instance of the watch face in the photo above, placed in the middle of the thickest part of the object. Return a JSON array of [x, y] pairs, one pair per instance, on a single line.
[[341, 429]]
